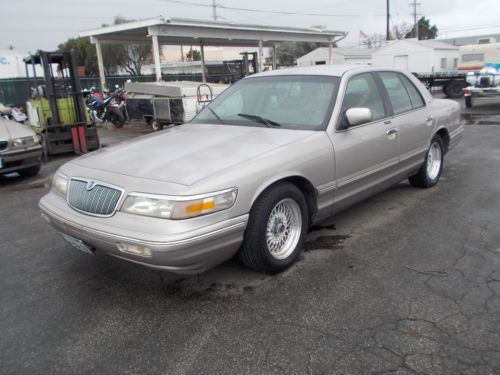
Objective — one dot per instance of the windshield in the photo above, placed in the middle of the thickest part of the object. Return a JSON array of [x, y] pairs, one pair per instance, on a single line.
[[291, 102]]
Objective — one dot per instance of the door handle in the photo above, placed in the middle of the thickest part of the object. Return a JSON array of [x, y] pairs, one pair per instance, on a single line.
[[392, 131], [429, 121]]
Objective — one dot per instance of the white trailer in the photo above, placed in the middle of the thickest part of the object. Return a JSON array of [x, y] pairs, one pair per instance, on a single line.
[[165, 103]]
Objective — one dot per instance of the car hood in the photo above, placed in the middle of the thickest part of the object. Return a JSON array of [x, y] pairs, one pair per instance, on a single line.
[[189, 153], [10, 129]]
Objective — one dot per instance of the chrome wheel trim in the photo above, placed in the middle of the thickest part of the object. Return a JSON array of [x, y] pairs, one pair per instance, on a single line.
[[283, 229], [434, 159]]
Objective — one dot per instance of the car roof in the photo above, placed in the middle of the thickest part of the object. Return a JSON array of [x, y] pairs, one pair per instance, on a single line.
[[336, 70]]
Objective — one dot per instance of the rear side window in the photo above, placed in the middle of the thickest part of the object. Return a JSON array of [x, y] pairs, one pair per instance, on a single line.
[[415, 97], [398, 94], [362, 91]]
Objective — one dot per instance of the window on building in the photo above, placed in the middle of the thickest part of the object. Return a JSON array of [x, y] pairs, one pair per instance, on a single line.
[[472, 57], [443, 63]]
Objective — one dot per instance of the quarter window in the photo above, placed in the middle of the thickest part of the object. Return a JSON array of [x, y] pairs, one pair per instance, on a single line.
[[362, 92], [397, 92]]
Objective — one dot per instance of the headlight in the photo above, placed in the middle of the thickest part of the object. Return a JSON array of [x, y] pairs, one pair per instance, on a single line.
[[60, 184], [25, 141], [178, 207]]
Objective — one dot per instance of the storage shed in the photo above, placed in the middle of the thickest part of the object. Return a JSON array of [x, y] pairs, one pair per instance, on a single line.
[[319, 56], [417, 55]]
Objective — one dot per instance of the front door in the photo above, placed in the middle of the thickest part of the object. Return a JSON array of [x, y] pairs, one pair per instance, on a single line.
[[366, 155]]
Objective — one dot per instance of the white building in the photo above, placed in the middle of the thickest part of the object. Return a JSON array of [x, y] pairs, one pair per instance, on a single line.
[[12, 64], [417, 55], [320, 56]]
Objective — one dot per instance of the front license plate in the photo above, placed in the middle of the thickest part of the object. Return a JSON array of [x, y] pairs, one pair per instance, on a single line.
[[78, 244]]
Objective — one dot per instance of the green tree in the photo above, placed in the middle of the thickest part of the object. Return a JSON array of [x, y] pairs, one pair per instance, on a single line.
[[425, 30], [116, 57], [193, 55], [288, 52]]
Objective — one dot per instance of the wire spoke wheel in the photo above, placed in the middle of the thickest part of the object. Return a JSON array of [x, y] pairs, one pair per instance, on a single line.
[[283, 229], [433, 164]]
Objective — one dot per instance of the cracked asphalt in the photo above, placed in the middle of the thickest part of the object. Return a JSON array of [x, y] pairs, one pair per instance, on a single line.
[[406, 282]]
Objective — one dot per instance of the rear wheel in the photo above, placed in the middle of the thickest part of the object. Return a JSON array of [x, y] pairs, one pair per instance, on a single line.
[[454, 89], [468, 101], [276, 229], [430, 172], [116, 117], [156, 126]]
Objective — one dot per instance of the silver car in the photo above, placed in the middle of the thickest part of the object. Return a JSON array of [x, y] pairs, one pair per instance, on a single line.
[[269, 157], [20, 150]]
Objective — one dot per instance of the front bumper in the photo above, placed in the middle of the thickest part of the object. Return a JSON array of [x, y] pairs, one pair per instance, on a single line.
[[189, 252], [15, 160], [482, 91]]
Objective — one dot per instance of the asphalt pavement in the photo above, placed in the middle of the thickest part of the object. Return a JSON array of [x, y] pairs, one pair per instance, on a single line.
[[406, 282]]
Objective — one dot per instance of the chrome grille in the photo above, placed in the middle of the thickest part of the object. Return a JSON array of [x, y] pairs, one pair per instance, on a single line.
[[99, 200]]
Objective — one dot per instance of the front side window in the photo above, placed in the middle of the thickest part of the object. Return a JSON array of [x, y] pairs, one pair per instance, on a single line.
[[397, 92], [362, 92], [302, 102]]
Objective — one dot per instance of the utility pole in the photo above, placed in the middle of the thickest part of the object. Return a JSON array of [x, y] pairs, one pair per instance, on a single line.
[[388, 33], [214, 9], [415, 15]]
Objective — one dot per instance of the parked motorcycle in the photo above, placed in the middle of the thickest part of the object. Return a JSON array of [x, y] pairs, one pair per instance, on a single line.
[[102, 108], [120, 95], [13, 113]]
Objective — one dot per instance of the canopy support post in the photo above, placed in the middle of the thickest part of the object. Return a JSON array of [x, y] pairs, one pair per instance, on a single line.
[[330, 52], [202, 52], [274, 57], [156, 57], [100, 64], [261, 55]]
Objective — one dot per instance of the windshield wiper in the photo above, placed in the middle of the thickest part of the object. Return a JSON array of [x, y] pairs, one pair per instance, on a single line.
[[262, 120], [216, 115]]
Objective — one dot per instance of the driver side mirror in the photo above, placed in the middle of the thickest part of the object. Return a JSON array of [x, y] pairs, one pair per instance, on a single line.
[[357, 115]]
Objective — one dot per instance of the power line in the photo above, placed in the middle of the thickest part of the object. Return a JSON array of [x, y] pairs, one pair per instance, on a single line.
[[220, 6]]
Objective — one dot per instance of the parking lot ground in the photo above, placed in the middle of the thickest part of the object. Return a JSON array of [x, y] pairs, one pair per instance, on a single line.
[[406, 282]]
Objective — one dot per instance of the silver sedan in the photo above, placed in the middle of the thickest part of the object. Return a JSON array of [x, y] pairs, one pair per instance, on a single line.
[[269, 157]]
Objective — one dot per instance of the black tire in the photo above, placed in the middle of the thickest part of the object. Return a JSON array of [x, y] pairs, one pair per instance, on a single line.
[[31, 171], [45, 149], [156, 126], [422, 179], [454, 89], [254, 252], [468, 101], [116, 117]]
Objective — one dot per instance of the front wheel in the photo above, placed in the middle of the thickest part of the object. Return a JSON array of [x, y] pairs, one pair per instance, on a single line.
[[31, 171], [276, 229], [430, 172]]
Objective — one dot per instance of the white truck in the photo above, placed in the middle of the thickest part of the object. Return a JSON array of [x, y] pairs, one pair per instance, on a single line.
[[482, 61]]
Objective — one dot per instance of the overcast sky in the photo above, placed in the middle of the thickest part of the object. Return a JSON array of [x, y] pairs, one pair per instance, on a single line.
[[29, 25]]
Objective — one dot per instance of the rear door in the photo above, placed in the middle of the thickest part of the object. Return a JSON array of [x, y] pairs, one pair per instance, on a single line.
[[411, 116], [366, 155]]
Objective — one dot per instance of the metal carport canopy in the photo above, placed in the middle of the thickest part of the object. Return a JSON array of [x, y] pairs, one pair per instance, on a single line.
[[182, 31]]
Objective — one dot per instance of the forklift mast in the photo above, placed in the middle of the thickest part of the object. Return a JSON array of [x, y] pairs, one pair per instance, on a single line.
[[56, 109], [67, 85]]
